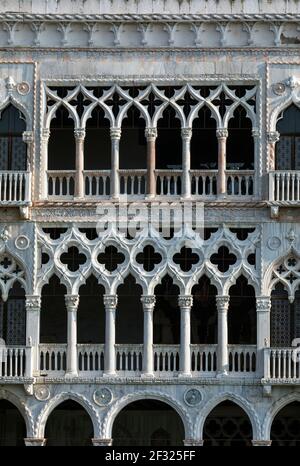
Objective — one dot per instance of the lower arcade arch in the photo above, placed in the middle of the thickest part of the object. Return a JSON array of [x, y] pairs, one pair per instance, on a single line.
[[12, 425], [148, 422], [227, 425], [69, 424], [285, 428]]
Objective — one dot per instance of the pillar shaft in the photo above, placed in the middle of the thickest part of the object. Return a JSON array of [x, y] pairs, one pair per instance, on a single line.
[[72, 302], [79, 182], [263, 312], [115, 135], [151, 135], [222, 135], [44, 163], [33, 308], [186, 135], [110, 303], [148, 306], [185, 303], [272, 138], [222, 306]]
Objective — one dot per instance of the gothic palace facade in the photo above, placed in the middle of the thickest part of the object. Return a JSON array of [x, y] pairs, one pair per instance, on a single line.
[[114, 336]]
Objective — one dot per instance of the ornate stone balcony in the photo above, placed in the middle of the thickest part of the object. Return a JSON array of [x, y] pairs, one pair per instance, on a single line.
[[281, 366], [15, 362], [15, 188], [284, 186]]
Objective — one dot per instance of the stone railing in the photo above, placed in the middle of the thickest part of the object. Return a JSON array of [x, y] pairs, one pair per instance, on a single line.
[[61, 184], [129, 358], [166, 359], [133, 182], [97, 183], [15, 361], [90, 357], [242, 359], [15, 187], [53, 358], [284, 186], [240, 183], [282, 364], [204, 183], [168, 182], [204, 359]]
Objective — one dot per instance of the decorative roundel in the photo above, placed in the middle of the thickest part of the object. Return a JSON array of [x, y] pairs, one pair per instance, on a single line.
[[278, 88], [23, 88], [274, 243], [103, 396], [41, 392], [22, 242], [192, 397]]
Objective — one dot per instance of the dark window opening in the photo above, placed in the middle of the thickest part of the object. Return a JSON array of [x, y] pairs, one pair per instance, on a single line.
[[97, 144], [111, 258], [240, 144], [133, 144], [53, 312], [286, 426], [91, 313], [242, 233], [12, 148], [90, 233], [61, 147], [55, 233], [223, 259], [73, 259], [168, 142], [129, 315], [13, 317], [204, 143], [186, 258], [12, 425], [242, 314], [167, 313], [204, 317], [288, 146], [149, 258], [285, 317]]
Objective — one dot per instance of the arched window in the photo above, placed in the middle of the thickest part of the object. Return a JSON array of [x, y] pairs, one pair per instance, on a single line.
[[204, 143], [61, 151], [166, 319], [285, 317], [240, 144], [12, 147], [288, 146], [242, 313], [168, 142], [133, 144], [13, 317], [97, 142]]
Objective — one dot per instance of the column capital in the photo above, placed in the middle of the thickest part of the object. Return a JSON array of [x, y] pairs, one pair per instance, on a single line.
[[222, 303], [255, 132], [115, 133], [150, 133], [110, 301], [27, 137], [148, 302], [45, 134], [273, 136], [185, 301], [72, 302], [222, 133], [79, 134], [263, 303], [33, 303], [186, 133]]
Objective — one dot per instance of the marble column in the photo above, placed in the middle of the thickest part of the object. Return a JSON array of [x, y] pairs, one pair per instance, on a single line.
[[79, 179], [33, 312], [257, 175], [186, 135], [72, 302], [222, 135], [185, 303], [151, 135], [115, 136], [263, 313], [110, 303], [44, 163], [148, 306], [222, 360], [272, 138]]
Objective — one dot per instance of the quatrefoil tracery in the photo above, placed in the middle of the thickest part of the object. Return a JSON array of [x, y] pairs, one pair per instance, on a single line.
[[288, 273]]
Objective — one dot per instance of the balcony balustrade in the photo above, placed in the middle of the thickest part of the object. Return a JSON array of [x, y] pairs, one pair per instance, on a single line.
[[284, 186], [282, 365], [15, 187], [15, 361]]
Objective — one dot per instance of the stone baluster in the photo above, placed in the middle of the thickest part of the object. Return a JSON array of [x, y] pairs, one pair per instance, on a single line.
[[185, 303], [79, 181], [72, 302], [186, 135], [148, 306], [151, 135], [115, 135], [222, 307], [222, 134], [110, 303]]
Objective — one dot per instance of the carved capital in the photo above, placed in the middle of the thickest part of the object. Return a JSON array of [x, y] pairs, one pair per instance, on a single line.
[[110, 301], [273, 137], [222, 133], [185, 301], [27, 137], [255, 132], [33, 303], [150, 133], [45, 134], [222, 303], [72, 302], [148, 302], [79, 134], [186, 133], [263, 303], [115, 133]]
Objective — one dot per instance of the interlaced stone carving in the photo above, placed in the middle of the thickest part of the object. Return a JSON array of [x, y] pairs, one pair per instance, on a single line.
[[10, 271], [287, 272]]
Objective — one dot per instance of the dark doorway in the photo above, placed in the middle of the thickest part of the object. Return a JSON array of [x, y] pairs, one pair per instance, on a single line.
[[204, 316], [53, 313], [129, 314], [242, 314], [285, 430], [12, 425], [288, 147], [166, 313]]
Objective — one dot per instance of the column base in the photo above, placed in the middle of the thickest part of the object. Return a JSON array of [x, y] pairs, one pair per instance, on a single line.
[[261, 443], [107, 375], [150, 196], [71, 375], [222, 373], [190, 442], [35, 442], [102, 442], [183, 375], [147, 375]]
